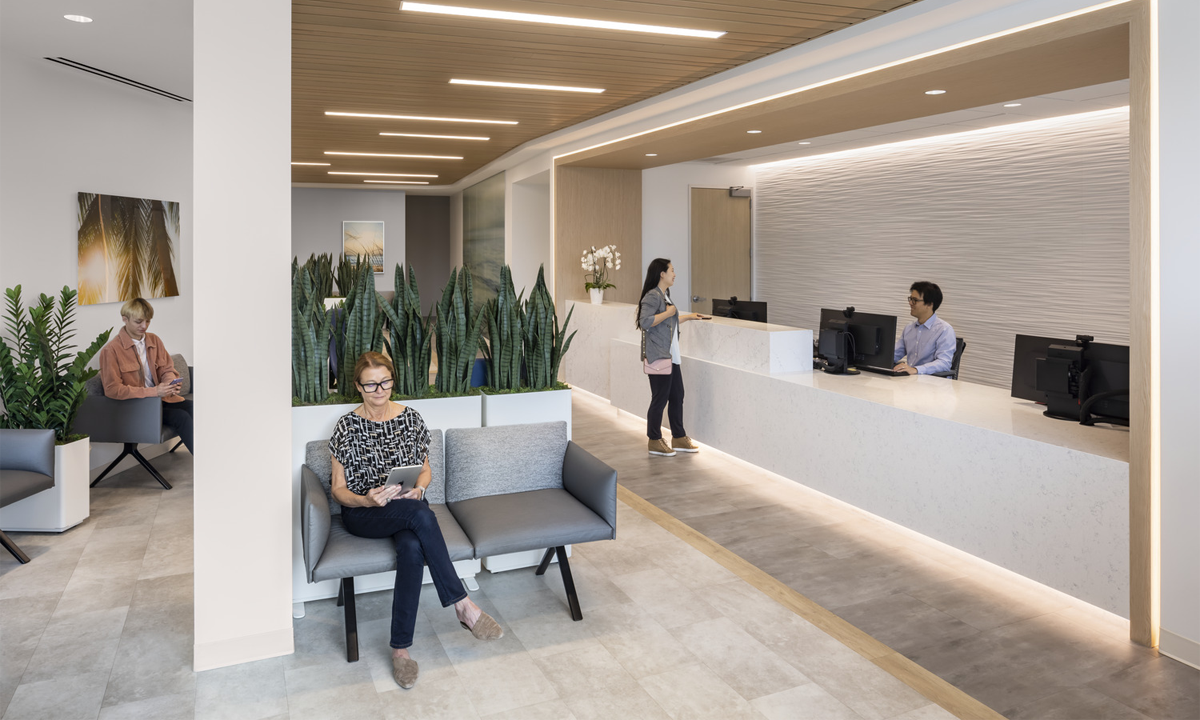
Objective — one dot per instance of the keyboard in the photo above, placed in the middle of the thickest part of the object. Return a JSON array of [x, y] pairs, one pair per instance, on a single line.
[[881, 371]]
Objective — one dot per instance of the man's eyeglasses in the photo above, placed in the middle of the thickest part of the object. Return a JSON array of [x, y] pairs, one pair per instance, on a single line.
[[913, 301], [381, 385]]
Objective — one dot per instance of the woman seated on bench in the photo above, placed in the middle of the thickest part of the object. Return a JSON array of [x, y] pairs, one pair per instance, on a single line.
[[366, 444]]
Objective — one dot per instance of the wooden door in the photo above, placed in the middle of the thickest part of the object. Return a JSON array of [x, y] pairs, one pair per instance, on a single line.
[[720, 236]]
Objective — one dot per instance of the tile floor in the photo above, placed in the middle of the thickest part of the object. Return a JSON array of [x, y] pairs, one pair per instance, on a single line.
[[99, 625]]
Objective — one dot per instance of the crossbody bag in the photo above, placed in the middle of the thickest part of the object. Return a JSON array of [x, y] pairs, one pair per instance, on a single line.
[[658, 367]]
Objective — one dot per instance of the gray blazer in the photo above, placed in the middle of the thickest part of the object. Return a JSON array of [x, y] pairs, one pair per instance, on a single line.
[[657, 338]]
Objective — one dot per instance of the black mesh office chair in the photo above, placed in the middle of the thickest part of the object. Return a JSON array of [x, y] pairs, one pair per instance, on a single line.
[[952, 373]]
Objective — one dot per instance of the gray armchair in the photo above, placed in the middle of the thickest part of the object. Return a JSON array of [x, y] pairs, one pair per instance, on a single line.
[[26, 468], [129, 422]]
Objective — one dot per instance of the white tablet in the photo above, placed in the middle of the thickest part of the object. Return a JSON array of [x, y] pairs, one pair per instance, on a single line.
[[405, 476]]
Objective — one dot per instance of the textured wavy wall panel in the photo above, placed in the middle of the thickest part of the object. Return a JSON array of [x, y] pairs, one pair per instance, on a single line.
[[1026, 230]]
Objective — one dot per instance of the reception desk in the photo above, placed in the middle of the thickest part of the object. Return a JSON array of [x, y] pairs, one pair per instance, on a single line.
[[964, 464]]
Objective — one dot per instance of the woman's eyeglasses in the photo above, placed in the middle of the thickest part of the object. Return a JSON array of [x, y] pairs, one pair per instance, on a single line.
[[381, 385]]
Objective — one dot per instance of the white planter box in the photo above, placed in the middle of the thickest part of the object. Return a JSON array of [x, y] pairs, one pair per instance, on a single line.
[[528, 407], [316, 423], [62, 507]]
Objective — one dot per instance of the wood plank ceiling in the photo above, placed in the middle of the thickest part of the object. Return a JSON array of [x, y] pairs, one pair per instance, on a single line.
[[368, 56]]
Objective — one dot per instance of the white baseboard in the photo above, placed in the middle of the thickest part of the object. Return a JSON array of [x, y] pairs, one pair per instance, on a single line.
[[235, 651], [1185, 650]]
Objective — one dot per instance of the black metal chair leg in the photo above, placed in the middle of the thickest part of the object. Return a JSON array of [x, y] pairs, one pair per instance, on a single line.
[[125, 451], [150, 468], [341, 595], [569, 583], [545, 563], [176, 447], [11, 546], [351, 620]]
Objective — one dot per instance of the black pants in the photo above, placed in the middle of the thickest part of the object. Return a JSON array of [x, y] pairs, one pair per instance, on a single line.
[[178, 417], [666, 391]]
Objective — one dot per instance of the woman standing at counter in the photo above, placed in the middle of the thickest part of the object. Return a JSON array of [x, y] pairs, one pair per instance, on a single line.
[[659, 320]]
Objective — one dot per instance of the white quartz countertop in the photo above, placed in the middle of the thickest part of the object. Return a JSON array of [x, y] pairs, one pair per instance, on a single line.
[[730, 322]]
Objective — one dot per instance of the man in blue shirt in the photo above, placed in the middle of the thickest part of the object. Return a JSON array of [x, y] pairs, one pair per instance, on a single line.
[[929, 341]]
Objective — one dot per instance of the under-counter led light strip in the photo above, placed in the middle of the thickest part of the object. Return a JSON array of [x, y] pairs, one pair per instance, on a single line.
[[439, 137], [420, 117], [1014, 127], [848, 76], [557, 20], [394, 155]]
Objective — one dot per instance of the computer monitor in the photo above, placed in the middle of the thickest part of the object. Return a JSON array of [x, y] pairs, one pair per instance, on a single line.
[[871, 338], [740, 309], [1076, 379]]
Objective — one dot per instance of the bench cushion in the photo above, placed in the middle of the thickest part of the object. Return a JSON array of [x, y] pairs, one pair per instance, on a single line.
[[504, 459], [347, 555], [16, 485], [531, 520], [318, 459]]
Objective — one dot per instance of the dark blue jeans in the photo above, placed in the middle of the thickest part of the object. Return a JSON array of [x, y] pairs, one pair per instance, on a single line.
[[178, 417], [414, 528]]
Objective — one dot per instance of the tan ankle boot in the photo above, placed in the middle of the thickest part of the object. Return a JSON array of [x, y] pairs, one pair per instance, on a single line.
[[660, 447], [684, 444]]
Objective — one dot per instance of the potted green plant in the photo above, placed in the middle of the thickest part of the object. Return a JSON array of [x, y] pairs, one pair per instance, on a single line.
[[43, 384], [597, 264]]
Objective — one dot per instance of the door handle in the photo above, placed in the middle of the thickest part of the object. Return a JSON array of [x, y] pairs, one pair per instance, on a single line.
[[695, 298]]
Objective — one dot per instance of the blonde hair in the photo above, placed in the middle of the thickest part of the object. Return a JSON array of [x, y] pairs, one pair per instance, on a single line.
[[370, 360], [137, 309]]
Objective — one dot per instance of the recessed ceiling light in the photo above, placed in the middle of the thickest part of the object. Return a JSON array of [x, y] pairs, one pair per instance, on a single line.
[[440, 137], [419, 157], [296, 163], [421, 117], [1012, 104], [78, 18], [335, 172], [651, 154], [399, 182], [526, 86], [804, 142], [935, 92], [556, 20], [753, 132]]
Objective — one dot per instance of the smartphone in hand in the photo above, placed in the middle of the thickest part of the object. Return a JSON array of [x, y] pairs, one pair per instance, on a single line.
[[177, 381]]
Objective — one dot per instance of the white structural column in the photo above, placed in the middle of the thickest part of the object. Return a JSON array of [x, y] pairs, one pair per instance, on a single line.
[[242, 228], [1178, 117]]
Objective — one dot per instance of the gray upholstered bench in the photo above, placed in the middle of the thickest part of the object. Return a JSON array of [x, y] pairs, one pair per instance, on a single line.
[[495, 490]]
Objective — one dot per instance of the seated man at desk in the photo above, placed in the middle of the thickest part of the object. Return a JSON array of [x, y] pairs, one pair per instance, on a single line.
[[928, 341]]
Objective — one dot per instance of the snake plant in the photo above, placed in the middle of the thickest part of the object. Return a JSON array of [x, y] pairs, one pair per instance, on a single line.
[[410, 346], [358, 327], [310, 337], [44, 385], [503, 348], [347, 273], [543, 338], [458, 329]]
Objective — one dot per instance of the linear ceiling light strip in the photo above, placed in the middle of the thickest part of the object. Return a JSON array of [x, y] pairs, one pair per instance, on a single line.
[[557, 20], [393, 155], [420, 117]]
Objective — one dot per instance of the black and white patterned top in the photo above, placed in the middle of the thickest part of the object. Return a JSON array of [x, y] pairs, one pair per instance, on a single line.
[[368, 450]]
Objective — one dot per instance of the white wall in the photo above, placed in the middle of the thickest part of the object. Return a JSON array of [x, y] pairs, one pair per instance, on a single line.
[[243, 478], [1179, 180], [666, 215], [317, 216], [529, 231], [62, 132]]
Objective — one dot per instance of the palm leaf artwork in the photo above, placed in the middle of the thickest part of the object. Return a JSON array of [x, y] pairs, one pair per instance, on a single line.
[[43, 383], [126, 248]]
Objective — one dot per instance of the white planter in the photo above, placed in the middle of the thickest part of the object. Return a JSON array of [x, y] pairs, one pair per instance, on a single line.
[[528, 407], [62, 507], [316, 423], [597, 295]]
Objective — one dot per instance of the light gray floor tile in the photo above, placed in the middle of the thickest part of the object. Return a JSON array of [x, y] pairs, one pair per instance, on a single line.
[[588, 672], [77, 645], [766, 620], [505, 683], [637, 641], [67, 696], [46, 575], [694, 691], [99, 587], [334, 691], [634, 704], [929, 712], [165, 707], [429, 699], [692, 568], [550, 710], [803, 701], [593, 586], [664, 598], [251, 691], [117, 544], [543, 623], [904, 623], [426, 649], [736, 657], [1081, 703], [169, 551], [615, 557]]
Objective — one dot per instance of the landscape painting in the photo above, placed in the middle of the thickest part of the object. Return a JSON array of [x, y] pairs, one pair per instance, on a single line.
[[364, 237], [128, 248], [483, 235]]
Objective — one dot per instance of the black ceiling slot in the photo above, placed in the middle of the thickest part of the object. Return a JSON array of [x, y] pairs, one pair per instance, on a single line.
[[118, 78]]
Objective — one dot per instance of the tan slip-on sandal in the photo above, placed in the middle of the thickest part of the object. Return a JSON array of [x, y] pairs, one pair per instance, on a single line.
[[486, 628], [404, 670]]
